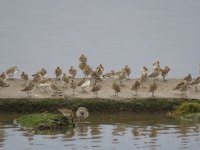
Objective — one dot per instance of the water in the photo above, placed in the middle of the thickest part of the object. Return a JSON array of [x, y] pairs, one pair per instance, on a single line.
[[108, 131], [51, 33]]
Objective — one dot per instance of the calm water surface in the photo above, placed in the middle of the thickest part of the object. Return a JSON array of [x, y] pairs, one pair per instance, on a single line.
[[48, 33], [106, 131]]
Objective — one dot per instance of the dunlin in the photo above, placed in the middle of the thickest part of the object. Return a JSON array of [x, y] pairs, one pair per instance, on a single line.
[[95, 89], [116, 87], [11, 72], [30, 88], [58, 72], [24, 77], [165, 71], [135, 87], [153, 87]]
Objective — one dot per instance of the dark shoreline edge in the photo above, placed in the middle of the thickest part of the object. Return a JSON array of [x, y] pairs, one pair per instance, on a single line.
[[94, 105]]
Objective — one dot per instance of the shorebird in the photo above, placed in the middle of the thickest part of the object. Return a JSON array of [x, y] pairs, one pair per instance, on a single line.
[[195, 83], [58, 72], [153, 87], [87, 71], [188, 78], [121, 77], [73, 86], [82, 66], [65, 80], [44, 84], [42, 72], [143, 78], [72, 72], [37, 78], [30, 88], [182, 87], [144, 70], [109, 74], [3, 76], [57, 91], [95, 76], [136, 86], [156, 73], [101, 66], [82, 113], [67, 113], [3, 83], [95, 89], [83, 58], [165, 71], [116, 88], [156, 65], [99, 71], [127, 70], [24, 77], [11, 72]]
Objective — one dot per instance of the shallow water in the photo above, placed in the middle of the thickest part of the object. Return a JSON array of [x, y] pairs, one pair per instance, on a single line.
[[107, 131], [50, 33]]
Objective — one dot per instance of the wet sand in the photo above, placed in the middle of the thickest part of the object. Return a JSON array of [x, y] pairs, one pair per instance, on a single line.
[[164, 90]]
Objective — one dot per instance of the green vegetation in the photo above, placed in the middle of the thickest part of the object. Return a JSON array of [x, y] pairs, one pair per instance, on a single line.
[[146, 105], [188, 108], [45, 122]]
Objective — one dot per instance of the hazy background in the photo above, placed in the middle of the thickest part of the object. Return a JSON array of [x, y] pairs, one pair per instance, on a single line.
[[50, 33]]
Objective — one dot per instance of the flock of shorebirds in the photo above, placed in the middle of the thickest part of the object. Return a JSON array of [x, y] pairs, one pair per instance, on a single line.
[[94, 77]]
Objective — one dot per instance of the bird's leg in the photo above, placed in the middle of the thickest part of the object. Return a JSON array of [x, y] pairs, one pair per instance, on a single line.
[[153, 94], [196, 88], [29, 94], [135, 92]]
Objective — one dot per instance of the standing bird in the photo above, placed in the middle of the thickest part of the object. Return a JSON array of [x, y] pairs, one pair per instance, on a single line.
[[72, 72], [153, 87], [57, 91], [85, 85], [58, 72], [82, 113], [3, 76], [30, 88], [82, 66], [11, 72], [87, 71], [95, 76], [83, 58], [24, 77], [3, 83], [65, 80], [143, 78], [135, 87], [164, 73], [37, 78], [73, 86], [144, 70], [121, 77], [116, 88], [42, 72], [195, 83], [156, 65], [67, 113], [188, 78], [127, 70], [95, 89], [99, 71], [156, 73], [182, 87]]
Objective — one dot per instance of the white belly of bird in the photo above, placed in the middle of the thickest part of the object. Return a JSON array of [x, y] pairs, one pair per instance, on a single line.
[[86, 84]]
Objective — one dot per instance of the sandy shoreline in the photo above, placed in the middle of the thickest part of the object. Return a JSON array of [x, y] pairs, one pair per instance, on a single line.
[[164, 90]]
